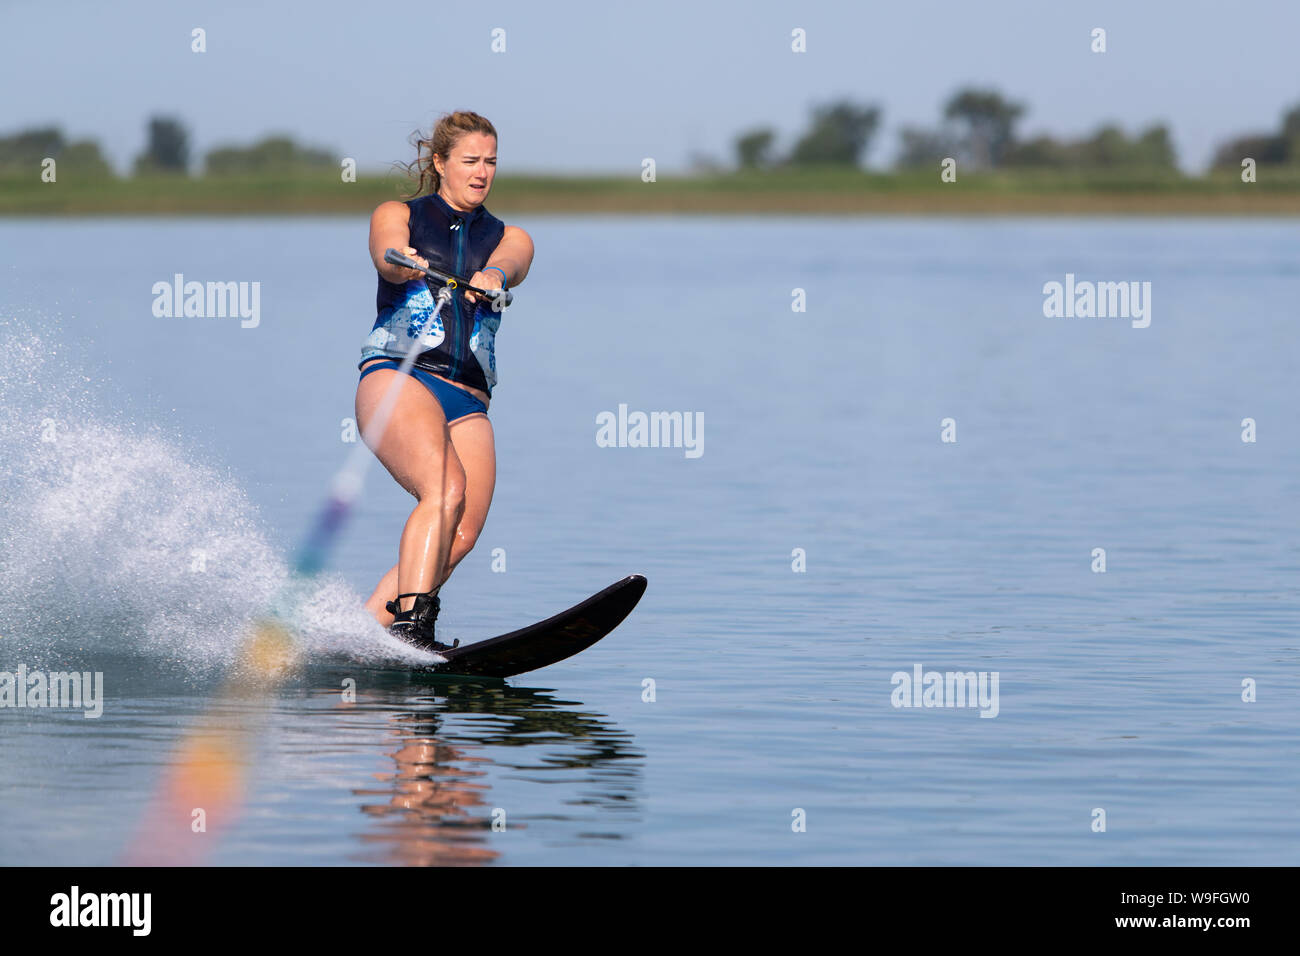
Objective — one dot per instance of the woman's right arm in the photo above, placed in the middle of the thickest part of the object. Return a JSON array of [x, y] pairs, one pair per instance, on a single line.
[[390, 229]]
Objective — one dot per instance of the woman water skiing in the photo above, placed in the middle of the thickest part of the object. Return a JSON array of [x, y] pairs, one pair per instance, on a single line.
[[439, 445]]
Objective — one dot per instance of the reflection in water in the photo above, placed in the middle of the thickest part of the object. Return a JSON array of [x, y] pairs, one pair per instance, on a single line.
[[446, 734], [431, 814]]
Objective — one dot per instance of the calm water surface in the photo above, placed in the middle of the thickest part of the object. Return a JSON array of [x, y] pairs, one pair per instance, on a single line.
[[189, 455]]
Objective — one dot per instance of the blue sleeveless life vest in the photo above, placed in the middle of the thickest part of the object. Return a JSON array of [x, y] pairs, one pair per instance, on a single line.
[[459, 342]]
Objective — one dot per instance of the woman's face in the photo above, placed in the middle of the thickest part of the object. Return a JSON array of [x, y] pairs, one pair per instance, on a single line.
[[467, 173]]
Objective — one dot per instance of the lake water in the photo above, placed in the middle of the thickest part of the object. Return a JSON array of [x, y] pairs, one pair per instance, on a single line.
[[156, 475]]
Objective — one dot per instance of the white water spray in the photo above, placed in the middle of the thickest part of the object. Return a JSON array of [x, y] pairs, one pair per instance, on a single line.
[[114, 540]]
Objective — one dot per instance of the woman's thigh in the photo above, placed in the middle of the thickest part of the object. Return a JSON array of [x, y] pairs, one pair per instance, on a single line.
[[475, 447], [416, 446]]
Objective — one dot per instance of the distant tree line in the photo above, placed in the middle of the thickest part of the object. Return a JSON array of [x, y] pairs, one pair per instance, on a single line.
[[25, 151], [166, 151], [978, 129], [1272, 149]]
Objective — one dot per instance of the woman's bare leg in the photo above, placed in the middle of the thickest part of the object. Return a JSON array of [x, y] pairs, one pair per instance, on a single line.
[[475, 446], [418, 452], [384, 592]]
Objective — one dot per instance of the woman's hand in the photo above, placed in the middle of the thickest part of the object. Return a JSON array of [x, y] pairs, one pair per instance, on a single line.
[[485, 279], [398, 274]]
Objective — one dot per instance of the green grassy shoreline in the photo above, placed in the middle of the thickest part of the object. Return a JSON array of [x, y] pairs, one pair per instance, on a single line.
[[818, 192]]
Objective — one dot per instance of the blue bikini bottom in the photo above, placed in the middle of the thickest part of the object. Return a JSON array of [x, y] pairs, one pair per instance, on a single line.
[[456, 402]]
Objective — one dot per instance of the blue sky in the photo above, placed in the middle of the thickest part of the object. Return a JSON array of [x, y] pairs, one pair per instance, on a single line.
[[591, 86]]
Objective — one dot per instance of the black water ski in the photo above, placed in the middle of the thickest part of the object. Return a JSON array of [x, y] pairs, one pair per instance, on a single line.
[[547, 641]]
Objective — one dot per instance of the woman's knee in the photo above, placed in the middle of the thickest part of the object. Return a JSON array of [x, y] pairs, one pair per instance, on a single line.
[[443, 480], [453, 501]]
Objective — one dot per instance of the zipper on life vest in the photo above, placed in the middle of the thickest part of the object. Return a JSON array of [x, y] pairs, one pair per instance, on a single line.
[[459, 229]]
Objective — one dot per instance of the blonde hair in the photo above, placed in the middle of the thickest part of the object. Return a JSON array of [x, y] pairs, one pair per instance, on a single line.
[[446, 133]]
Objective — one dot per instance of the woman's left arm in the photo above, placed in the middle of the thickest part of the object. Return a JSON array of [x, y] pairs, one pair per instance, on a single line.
[[513, 256]]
